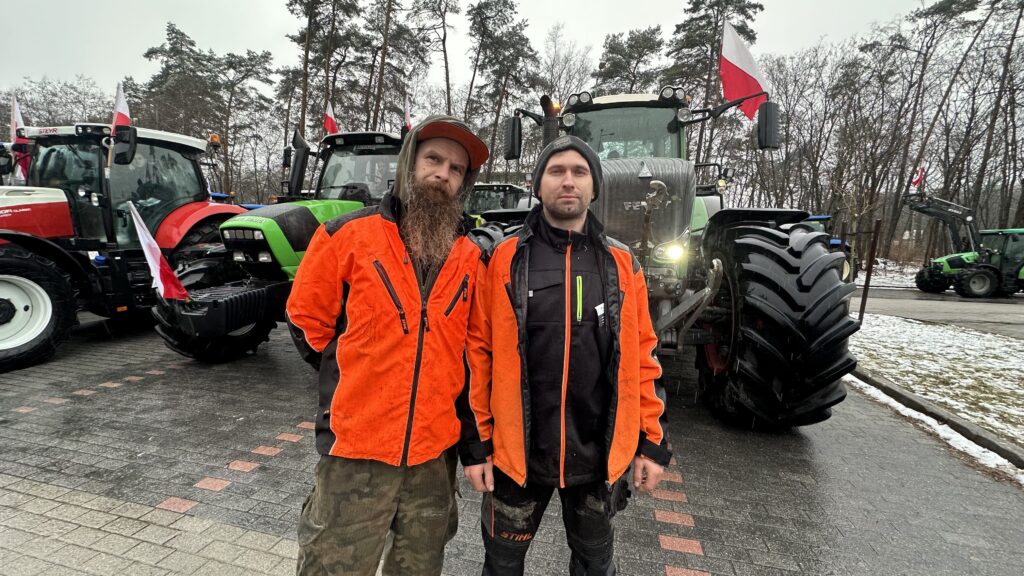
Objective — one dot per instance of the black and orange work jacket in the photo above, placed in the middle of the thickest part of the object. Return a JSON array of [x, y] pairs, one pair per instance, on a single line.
[[390, 349], [499, 391]]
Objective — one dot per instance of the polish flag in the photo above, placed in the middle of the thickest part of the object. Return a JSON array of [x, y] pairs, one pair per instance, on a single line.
[[741, 76], [121, 115], [330, 124], [21, 160], [164, 280], [919, 179]]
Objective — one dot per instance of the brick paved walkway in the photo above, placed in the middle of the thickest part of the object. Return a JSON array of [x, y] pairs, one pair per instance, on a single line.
[[120, 457]]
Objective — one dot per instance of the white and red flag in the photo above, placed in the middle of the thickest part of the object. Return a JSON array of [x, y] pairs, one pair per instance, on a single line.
[[121, 115], [164, 279], [741, 76], [408, 117], [330, 123], [919, 179], [21, 160]]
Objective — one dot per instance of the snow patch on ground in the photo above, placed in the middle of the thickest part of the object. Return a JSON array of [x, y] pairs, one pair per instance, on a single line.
[[983, 456], [889, 274], [977, 376]]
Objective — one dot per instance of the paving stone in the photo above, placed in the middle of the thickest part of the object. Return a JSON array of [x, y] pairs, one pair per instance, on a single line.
[[27, 566], [147, 553], [156, 534], [182, 562], [257, 561], [124, 526], [115, 544], [189, 542], [191, 524], [104, 564], [222, 551], [71, 555], [83, 536]]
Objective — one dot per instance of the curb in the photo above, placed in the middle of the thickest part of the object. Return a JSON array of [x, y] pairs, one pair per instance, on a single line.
[[972, 432]]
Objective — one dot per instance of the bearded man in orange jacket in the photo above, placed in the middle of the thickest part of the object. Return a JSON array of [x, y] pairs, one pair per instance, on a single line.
[[380, 305], [563, 377]]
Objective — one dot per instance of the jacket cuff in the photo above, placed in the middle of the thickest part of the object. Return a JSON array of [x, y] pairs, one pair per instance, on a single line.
[[475, 452], [659, 453]]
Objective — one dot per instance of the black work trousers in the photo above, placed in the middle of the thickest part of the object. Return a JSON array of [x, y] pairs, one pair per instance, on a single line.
[[511, 515]]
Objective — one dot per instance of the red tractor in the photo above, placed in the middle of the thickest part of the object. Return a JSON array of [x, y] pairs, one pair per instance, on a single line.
[[67, 241]]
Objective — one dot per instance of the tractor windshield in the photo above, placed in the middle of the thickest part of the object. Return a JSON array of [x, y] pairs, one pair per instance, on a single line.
[[363, 173], [72, 166], [632, 132], [158, 181]]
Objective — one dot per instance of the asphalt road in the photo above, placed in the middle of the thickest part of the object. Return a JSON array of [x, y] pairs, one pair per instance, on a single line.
[[1003, 316]]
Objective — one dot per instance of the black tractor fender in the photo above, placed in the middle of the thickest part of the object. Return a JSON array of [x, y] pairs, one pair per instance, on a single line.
[[730, 217], [84, 282]]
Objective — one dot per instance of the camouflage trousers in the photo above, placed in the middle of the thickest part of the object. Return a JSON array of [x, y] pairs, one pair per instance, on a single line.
[[356, 503]]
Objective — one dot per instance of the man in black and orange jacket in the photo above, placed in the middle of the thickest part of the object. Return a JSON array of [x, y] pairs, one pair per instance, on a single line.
[[563, 376], [380, 305]]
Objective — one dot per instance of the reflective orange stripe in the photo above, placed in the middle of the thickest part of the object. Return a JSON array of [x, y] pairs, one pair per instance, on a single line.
[[565, 357]]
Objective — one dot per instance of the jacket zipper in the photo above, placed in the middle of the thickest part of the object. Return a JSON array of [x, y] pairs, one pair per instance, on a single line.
[[462, 291], [579, 298], [565, 357], [391, 292]]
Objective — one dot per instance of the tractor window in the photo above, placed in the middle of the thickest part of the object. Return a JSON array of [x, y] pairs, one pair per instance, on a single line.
[[74, 167], [630, 132], [1015, 248], [482, 200], [158, 181], [361, 173]]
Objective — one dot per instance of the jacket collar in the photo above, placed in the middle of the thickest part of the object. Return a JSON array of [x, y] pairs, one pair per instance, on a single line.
[[593, 228]]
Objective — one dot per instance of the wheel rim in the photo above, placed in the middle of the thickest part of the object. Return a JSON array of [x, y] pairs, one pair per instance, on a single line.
[[32, 311], [980, 283]]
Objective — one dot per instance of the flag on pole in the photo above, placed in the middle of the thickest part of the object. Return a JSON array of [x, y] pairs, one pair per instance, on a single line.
[[741, 76], [919, 179], [121, 115], [164, 279], [330, 123], [21, 160]]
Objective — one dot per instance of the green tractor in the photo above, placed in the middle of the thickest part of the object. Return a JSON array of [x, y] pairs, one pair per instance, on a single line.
[[758, 292], [227, 321], [986, 262], [498, 202]]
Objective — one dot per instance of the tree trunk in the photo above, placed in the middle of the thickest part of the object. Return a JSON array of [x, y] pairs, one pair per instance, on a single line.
[[383, 63], [225, 185], [447, 75], [472, 79], [497, 122], [305, 68], [986, 154]]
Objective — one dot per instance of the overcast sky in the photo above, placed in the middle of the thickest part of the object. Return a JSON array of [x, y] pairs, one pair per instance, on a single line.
[[105, 39]]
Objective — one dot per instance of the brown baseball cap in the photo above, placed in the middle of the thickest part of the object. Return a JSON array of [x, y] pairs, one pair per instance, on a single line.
[[453, 129]]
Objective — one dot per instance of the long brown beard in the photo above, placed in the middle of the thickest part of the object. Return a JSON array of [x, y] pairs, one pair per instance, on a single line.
[[431, 222]]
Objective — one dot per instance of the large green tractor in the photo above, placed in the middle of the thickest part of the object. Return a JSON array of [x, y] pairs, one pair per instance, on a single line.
[[757, 291], [225, 322], [986, 262]]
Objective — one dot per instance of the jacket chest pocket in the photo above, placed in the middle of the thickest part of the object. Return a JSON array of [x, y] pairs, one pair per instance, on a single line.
[[460, 298], [546, 297]]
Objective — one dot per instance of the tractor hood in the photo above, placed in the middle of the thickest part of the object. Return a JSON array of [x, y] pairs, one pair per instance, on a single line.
[[953, 262], [282, 230], [43, 212]]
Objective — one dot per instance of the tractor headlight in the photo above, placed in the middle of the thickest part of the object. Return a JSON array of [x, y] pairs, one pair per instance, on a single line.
[[226, 234], [238, 256], [265, 257], [574, 100], [569, 120], [680, 93], [670, 252], [585, 98], [258, 235], [667, 92]]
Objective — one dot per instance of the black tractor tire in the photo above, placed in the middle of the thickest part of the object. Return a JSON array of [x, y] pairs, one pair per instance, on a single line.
[[219, 267], [977, 283], [930, 282], [227, 348], [37, 307], [788, 336]]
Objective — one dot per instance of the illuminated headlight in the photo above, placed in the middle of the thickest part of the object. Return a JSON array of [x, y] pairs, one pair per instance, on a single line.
[[569, 120], [683, 114], [723, 184], [226, 234], [585, 98], [238, 256], [95, 200], [667, 92], [265, 257], [258, 235], [574, 100], [680, 94], [671, 252]]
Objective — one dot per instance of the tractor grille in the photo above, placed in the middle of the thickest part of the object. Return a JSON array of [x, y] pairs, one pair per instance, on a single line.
[[620, 205]]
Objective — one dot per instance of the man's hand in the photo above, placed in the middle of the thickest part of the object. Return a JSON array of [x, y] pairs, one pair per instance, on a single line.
[[481, 476], [646, 474]]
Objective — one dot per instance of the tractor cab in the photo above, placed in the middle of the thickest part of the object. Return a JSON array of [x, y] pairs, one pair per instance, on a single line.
[[358, 166], [498, 202]]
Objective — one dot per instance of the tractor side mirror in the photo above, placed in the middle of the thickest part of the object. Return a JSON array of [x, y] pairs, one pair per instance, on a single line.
[[768, 126], [728, 173], [6, 164], [513, 137], [286, 158], [124, 144], [298, 168]]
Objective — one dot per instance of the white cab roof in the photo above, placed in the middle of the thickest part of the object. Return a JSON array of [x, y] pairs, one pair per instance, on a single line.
[[199, 144]]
